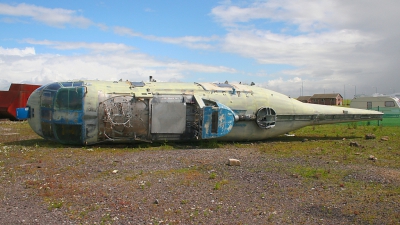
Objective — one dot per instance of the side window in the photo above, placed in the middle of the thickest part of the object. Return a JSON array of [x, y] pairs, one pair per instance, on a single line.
[[389, 104], [369, 105]]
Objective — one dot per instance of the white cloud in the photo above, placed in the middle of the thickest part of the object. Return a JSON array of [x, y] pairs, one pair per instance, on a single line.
[[17, 52], [96, 47], [195, 42], [54, 17], [45, 68], [327, 44], [327, 50], [330, 43], [314, 15], [126, 31]]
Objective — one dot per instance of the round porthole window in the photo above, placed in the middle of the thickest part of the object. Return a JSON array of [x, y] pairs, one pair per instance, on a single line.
[[266, 117]]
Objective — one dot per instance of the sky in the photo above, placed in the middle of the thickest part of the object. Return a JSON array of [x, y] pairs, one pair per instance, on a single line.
[[295, 47]]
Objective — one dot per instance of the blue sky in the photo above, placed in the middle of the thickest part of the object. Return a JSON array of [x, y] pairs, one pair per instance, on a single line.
[[290, 46]]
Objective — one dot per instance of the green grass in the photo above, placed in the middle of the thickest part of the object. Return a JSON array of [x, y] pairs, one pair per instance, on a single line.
[[331, 143], [329, 162]]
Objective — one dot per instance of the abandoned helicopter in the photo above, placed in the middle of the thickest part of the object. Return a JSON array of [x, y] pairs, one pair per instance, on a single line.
[[87, 112]]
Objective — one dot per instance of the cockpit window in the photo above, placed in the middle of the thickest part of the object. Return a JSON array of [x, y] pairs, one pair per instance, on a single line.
[[72, 84], [67, 84], [46, 114], [53, 86], [69, 134], [69, 99], [48, 93], [61, 111], [47, 130], [47, 99], [40, 88], [66, 98]]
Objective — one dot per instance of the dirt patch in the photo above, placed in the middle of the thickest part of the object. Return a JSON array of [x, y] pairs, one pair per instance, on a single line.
[[47, 183]]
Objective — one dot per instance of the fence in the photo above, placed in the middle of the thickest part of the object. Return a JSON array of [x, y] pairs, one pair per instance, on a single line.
[[391, 117]]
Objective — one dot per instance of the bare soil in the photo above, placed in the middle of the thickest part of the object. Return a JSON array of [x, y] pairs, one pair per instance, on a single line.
[[43, 182]]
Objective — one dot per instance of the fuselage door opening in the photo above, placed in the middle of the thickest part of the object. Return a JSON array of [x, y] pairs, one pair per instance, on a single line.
[[266, 117]]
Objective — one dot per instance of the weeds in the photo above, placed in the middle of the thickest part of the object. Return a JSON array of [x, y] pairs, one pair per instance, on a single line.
[[213, 175], [219, 184], [310, 172], [55, 205], [210, 144], [106, 219]]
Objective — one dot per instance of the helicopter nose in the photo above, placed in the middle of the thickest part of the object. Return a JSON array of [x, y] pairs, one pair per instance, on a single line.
[[34, 112]]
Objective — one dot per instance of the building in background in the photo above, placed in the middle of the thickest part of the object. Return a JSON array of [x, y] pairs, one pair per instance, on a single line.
[[305, 99], [323, 99]]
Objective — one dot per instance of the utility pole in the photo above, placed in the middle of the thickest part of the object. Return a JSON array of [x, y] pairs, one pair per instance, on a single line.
[[344, 94], [344, 90]]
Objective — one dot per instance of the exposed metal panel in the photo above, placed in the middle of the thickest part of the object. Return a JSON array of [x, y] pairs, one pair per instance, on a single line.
[[168, 118], [124, 117]]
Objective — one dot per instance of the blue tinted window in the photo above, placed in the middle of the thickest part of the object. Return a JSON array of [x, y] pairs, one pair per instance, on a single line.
[[53, 86], [67, 84], [69, 99], [68, 134], [72, 84], [47, 130], [46, 114], [47, 99]]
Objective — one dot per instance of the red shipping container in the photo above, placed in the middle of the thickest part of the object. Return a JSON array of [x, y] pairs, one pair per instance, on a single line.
[[15, 97]]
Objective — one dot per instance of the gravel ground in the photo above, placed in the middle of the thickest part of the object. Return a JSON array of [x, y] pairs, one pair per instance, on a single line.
[[190, 185]]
